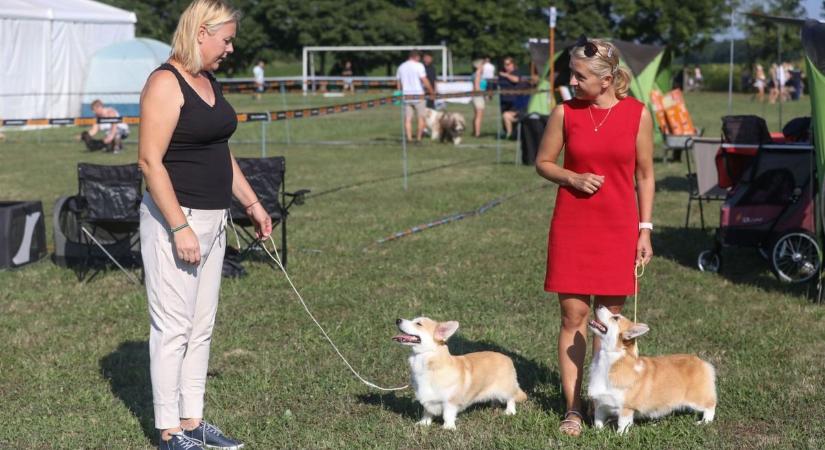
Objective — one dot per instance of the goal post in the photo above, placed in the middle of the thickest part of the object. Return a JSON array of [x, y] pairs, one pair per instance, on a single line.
[[308, 67]]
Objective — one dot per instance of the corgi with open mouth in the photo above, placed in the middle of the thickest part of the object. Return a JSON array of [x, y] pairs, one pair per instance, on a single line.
[[627, 385], [445, 384]]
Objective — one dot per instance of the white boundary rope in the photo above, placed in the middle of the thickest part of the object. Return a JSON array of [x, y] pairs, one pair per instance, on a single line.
[[277, 259]]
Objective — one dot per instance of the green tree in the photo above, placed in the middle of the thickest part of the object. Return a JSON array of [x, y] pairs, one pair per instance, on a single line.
[[763, 35], [294, 24], [156, 19], [681, 26], [481, 27]]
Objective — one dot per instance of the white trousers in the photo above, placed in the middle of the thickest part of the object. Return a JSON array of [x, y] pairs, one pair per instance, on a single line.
[[183, 301]]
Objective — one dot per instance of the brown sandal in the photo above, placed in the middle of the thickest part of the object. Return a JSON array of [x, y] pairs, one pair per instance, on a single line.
[[571, 427]]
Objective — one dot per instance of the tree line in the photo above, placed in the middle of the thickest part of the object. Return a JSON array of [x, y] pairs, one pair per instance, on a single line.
[[272, 29]]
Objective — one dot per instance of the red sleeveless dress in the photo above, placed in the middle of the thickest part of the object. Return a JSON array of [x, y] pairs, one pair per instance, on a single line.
[[591, 247]]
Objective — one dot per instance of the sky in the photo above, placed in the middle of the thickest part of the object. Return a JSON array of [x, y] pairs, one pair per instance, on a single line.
[[814, 8]]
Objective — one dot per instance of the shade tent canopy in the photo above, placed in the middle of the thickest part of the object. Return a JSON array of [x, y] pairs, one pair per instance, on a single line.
[[65, 10], [644, 62], [46, 45], [117, 73], [813, 42]]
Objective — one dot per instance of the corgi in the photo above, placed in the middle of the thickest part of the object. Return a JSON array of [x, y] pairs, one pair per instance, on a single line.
[[623, 383], [445, 384]]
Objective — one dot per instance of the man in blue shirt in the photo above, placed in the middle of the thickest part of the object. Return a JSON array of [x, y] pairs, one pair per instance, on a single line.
[[512, 105]]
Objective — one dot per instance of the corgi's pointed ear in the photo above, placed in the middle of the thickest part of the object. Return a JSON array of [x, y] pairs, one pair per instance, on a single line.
[[637, 330], [445, 330]]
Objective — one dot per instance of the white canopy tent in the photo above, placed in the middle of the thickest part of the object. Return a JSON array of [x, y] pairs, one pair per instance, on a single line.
[[45, 47]]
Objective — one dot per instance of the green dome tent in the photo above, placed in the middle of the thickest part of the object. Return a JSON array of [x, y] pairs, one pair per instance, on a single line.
[[117, 73], [813, 41]]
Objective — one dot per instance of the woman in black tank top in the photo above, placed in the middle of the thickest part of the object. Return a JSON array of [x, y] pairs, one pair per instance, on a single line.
[[191, 176]]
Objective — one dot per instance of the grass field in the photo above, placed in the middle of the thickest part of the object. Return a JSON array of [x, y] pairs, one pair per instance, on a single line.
[[74, 363]]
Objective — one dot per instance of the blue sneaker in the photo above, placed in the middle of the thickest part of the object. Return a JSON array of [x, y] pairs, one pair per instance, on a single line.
[[180, 441], [210, 436]]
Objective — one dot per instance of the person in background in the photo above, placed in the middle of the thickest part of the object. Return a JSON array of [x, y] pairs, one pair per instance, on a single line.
[[511, 104], [479, 85], [191, 177], [484, 73], [411, 79], [759, 82], [698, 78], [346, 72], [429, 68], [773, 84], [794, 82], [260, 83], [113, 135], [488, 72]]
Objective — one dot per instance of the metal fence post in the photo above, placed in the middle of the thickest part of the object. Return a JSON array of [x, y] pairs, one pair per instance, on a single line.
[[498, 126], [404, 141], [286, 120]]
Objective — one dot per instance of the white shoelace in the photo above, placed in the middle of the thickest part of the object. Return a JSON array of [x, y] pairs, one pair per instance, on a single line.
[[185, 441]]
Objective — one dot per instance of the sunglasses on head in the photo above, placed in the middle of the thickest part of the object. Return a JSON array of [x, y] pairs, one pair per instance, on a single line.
[[590, 49]]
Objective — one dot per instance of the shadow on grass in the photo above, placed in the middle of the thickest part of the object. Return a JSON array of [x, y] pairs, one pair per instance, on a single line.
[[672, 184], [530, 374], [127, 371], [739, 265]]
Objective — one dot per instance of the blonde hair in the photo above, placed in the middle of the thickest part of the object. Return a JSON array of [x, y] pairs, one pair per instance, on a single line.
[[211, 14], [606, 62]]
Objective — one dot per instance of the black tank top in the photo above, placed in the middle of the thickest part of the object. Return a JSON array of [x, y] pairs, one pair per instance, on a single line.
[[198, 159]]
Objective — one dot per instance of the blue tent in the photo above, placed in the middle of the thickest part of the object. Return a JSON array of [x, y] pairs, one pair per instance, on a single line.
[[116, 74]]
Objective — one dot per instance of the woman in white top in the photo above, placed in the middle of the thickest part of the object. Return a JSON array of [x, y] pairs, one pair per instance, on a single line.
[[759, 81]]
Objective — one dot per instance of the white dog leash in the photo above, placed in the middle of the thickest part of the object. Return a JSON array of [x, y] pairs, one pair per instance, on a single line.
[[638, 271], [277, 259]]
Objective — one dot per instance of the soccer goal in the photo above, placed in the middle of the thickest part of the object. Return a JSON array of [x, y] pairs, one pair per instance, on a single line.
[[308, 64]]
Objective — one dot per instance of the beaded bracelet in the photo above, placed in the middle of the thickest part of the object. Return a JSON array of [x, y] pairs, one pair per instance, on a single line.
[[179, 227]]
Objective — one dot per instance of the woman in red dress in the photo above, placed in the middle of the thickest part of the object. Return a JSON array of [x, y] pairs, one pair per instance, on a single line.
[[602, 219]]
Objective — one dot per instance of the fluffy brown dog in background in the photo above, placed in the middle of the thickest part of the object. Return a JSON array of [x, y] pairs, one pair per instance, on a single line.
[[444, 125]]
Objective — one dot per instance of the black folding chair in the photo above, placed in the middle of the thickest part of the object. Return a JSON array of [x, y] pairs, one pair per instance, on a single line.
[[266, 177], [107, 211]]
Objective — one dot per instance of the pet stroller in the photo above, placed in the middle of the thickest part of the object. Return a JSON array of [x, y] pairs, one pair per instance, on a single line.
[[770, 203]]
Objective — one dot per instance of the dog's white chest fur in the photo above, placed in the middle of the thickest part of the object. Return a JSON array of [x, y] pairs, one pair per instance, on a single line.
[[599, 387], [425, 389]]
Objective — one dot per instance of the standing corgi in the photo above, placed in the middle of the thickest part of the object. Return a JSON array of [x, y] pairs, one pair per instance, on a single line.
[[623, 383], [445, 384]]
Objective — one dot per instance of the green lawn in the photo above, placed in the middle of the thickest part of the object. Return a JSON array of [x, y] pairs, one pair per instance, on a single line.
[[74, 366]]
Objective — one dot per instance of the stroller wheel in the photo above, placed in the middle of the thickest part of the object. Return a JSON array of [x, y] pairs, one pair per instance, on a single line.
[[710, 261], [796, 258]]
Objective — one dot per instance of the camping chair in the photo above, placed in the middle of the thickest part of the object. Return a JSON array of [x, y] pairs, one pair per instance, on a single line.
[[742, 136], [266, 177], [107, 211], [703, 180]]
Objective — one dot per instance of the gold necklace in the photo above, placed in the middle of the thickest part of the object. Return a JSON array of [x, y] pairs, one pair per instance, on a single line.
[[596, 127]]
